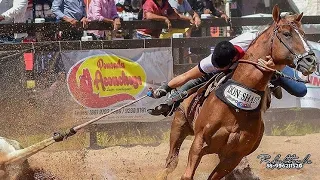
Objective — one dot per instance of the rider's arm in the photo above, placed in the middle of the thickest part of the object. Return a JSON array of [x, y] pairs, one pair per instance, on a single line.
[[185, 77], [204, 67], [298, 89]]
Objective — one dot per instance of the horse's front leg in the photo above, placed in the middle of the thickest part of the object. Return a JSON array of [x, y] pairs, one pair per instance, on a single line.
[[195, 154], [225, 166]]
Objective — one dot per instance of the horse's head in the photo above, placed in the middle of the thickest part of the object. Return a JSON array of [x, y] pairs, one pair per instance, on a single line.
[[289, 46]]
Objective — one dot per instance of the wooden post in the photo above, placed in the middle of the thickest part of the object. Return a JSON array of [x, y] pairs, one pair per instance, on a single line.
[[93, 143]]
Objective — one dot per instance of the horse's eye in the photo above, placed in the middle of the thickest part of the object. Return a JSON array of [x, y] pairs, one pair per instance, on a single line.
[[287, 34]]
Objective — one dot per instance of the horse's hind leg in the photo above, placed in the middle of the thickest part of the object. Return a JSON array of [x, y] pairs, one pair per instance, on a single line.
[[180, 129], [225, 166]]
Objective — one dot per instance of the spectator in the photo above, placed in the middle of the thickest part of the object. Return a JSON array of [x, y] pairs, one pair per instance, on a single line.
[[13, 11], [204, 7], [71, 11], [106, 11], [136, 5], [158, 10], [128, 5], [183, 8]]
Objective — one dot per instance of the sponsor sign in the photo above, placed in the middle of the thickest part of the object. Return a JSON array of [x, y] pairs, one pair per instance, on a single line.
[[242, 98], [100, 81]]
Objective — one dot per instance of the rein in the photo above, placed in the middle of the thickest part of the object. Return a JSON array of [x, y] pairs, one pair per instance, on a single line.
[[262, 67], [297, 57]]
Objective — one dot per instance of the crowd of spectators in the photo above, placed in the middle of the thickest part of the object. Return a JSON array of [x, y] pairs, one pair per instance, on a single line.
[[81, 12], [109, 11]]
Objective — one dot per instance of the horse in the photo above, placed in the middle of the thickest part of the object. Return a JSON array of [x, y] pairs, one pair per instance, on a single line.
[[232, 130]]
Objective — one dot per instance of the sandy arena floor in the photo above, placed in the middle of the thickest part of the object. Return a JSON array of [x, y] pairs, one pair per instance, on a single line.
[[142, 162]]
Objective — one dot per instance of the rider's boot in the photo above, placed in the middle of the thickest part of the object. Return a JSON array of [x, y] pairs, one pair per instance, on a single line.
[[176, 97], [275, 88], [276, 92], [172, 102]]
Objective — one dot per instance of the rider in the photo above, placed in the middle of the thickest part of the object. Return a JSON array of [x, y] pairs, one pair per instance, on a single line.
[[223, 57]]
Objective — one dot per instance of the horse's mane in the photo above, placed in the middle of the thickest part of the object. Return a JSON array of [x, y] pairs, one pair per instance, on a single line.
[[259, 34]]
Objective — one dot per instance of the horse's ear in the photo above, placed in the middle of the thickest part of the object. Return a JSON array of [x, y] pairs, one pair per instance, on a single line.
[[276, 13], [299, 18]]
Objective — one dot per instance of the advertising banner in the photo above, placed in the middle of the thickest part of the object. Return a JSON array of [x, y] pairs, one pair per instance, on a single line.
[[102, 80]]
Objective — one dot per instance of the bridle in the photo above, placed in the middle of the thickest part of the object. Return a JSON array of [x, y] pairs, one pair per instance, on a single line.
[[298, 58]]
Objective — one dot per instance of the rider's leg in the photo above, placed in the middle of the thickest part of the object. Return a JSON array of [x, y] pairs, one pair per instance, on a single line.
[[298, 89], [178, 96], [195, 82]]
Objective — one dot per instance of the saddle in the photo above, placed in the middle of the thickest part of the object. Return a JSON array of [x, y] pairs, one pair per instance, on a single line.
[[202, 94], [219, 84]]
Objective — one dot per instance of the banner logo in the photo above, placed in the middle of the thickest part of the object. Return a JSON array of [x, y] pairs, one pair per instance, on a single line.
[[102, 80]]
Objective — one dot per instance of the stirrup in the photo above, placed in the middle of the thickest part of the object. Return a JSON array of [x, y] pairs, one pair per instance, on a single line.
[[162, 109], [168, 108]]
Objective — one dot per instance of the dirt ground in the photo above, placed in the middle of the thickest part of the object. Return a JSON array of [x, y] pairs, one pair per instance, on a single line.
[[142, 162]]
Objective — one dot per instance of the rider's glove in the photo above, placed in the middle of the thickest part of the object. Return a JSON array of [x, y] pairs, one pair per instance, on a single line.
[[161, 91]]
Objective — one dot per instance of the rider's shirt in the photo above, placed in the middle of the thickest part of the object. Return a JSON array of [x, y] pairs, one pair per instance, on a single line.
[[241, 43]]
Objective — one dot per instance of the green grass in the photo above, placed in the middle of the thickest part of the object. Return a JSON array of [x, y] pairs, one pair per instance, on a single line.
[[296, 128], [130, 138], [77, 141], [81, 140], [135, 137]]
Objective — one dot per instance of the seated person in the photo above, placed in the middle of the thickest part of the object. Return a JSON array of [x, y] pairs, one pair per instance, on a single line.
[[183, 8], [158, 10]]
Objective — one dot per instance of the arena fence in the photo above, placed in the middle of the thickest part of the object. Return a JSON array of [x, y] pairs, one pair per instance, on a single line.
[[180, 64]]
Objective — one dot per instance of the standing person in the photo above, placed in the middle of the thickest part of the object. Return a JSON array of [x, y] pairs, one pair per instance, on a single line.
[[13, 11], [71, 11], [106, 11], [157, 10]]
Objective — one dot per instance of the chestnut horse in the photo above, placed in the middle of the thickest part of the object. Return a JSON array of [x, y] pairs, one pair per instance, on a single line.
[[233, 132]]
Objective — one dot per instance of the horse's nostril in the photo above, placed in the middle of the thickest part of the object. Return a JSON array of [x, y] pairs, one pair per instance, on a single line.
[[309, 60]]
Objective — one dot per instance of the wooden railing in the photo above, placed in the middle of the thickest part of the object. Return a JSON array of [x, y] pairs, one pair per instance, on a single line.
[[176, 44], [138, 24]]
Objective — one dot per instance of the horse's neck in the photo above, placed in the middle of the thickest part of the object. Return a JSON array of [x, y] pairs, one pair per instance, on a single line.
[[248, 74]]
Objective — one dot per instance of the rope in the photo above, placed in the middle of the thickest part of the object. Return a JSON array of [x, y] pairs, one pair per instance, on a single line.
[[61, 136]]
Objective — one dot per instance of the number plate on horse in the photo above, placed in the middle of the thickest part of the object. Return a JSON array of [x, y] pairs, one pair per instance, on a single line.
[[241, 97]]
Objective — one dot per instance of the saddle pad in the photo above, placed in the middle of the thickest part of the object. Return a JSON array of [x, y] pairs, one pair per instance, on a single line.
[[239, 96]]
